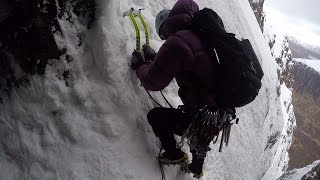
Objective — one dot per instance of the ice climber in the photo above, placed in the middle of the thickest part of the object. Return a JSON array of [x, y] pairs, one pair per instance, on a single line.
[[184, 56]]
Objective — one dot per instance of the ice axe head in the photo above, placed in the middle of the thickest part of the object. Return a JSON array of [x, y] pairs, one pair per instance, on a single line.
[[127, 13]]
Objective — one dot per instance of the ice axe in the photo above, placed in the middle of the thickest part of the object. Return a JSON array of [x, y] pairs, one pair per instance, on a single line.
[[132, 13]]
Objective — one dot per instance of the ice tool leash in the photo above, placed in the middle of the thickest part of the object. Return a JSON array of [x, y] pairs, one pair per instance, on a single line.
[[132, 13]]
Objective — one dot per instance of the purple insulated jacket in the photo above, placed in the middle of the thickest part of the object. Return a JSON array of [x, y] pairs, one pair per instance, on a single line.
[[183, 57]]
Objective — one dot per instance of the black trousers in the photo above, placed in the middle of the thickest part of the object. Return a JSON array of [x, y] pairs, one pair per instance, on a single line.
[[166, 122]]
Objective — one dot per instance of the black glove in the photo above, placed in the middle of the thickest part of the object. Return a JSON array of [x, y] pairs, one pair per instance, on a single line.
[[148, 52], [136, 60]]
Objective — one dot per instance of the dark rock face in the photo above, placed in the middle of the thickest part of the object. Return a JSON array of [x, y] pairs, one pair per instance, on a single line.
[[26, 42], [26, 36], [285, 61], [85, 10], [257, 7], [6, 8]]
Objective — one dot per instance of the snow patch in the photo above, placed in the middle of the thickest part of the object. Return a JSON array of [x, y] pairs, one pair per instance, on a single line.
[[298, 174], [314, 64]]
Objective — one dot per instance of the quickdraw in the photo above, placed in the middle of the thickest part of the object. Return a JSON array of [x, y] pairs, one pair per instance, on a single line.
[[205, 127]]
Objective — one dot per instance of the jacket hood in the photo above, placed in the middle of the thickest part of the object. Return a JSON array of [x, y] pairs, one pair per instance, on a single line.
[[180, 17]]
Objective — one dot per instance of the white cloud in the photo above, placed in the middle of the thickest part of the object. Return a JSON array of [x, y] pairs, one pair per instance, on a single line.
[[307, 9], [294, 26]]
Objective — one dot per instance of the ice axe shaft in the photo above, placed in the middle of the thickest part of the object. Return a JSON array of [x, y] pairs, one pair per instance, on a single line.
[[144, 24], [134, 22]]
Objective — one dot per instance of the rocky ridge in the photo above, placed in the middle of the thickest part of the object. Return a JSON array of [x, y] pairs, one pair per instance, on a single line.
[[27, 41], [257, 7]]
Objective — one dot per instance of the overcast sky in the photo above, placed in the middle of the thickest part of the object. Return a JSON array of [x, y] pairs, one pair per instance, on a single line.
[[298, 17]]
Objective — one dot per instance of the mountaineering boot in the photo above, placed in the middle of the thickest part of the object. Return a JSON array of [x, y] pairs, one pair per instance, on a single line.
[[195, 167], [174, 156]]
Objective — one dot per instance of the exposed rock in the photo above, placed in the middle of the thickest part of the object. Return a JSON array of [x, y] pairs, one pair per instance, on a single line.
[[285, 61], [257, 7], [26, 36]]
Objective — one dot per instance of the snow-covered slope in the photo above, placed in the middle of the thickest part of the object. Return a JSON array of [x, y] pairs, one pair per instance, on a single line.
[[96, 127], [309, 172], [315, 64], [281, 52], [303, 83]]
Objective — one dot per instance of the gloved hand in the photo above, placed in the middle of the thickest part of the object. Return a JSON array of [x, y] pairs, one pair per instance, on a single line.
[[148, 52], [137, 60]]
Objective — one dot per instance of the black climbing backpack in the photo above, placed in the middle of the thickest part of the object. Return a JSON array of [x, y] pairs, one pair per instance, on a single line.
[[237, 67]]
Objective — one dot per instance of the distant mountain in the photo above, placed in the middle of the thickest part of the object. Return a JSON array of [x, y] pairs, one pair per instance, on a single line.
[[314, 64], [303, 50], [300, 76], [304, 81], [306, 102]]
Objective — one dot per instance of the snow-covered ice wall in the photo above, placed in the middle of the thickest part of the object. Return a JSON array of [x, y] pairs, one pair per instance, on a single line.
[[96, 127]]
